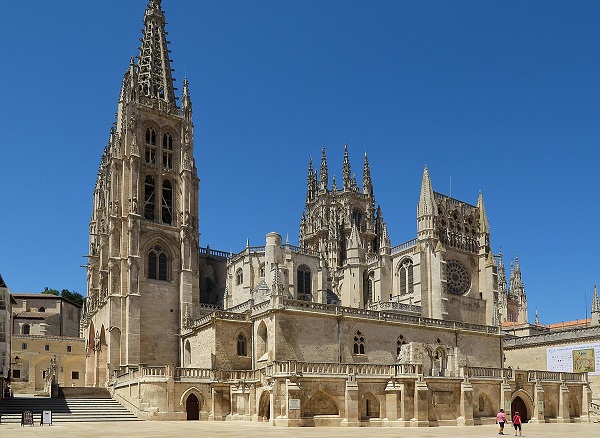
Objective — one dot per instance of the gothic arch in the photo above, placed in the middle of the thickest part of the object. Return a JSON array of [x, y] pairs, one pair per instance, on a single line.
[[262, 341], [187, 354], [369, 406], [90, 356], [241, 341], [186, 394], [264, 406], [521, 399], [485, 406], [321, 403], [405, 276], [574, 405]]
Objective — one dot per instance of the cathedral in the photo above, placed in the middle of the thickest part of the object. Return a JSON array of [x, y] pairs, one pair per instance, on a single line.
[[342, 329]]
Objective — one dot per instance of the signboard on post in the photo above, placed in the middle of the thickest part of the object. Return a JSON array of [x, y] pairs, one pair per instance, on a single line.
[[46, 418]]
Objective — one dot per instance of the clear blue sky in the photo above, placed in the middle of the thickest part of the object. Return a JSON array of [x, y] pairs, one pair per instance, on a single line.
[[498, 96]]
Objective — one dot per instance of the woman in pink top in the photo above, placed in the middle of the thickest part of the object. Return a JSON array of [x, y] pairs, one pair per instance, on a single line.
[[501, 419]]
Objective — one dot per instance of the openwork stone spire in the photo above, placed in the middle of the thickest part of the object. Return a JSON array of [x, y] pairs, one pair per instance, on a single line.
[[154, 66], [323, 173], [346, 173], [426, 205], [367, 182], [595, 308]]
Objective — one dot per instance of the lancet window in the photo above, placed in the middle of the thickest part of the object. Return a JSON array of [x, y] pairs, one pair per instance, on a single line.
[[359, 343], [149, 195], [405, 274], [239, 277], [304, 280], [241, 345], [157, 264], [167, 202], [167, 151], [150, 150]]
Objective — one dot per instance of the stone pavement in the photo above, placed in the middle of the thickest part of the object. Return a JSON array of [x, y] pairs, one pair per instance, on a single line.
[[196, 429]]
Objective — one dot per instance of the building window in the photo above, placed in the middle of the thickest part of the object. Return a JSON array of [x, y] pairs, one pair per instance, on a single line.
[[406, 277], [16, 374], [261, 270], [75, 375], [167, 155], [41, 310], [359, 343], [239, 277], [241, 345], [357, 218], [304, 280], [157, 264], [46, 347], [167, 202], [68, 348], [150, 154], [24, 346], [26, 329], [149, 189], [399, 343]]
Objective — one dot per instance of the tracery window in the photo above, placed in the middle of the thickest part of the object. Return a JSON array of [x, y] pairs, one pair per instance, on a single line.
[[150, 151], [167, 202], [241, 345], [239, 277], [359, 343], [167, 151], [357, 218], [304, 280], [399, 343], [26, 329], [157, 264], [457, 276], [406, 277], [149, 190]]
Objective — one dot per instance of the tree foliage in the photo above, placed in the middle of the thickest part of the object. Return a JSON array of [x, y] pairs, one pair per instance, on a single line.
[[72, 296]]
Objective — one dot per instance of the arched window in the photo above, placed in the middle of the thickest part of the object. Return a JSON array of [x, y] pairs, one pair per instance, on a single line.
[[304, 280], [399, 343], [262, 341], [167, 202], [359, 343], [406, 277], [261, 270], [357, 218], [150, 151], [239, 277], [241, 345], [26, 329], [149, 189], [157, 264], [42, 309], [167, 151]]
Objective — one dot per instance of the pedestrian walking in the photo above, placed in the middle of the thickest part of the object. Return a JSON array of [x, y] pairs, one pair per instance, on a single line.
[[517, 423], [501, 419]]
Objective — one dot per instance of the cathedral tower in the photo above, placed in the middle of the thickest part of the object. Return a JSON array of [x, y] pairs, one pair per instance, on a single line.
[[142, 271]]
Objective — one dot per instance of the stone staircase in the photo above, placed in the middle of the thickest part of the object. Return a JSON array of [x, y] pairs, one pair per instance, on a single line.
[[595, 412], [86, 406]]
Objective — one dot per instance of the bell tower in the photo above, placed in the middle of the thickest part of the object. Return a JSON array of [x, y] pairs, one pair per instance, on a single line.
[[142, 271]]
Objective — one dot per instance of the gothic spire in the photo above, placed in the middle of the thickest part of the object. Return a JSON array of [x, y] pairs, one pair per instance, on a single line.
[[595, 308], [426, 205], [154, 66], [311, 182], [367, 183], [346, 173], [323, 174], [484, 225], [516, 282]]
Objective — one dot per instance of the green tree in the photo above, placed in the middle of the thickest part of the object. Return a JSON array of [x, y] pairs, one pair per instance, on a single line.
[[74, 297], [51, 292]]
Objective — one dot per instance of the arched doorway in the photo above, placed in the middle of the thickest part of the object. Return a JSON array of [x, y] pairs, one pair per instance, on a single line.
[[264, 406], [192, 407], [518, 405]]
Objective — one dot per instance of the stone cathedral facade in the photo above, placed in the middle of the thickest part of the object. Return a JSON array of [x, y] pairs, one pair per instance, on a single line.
[[343, 329]]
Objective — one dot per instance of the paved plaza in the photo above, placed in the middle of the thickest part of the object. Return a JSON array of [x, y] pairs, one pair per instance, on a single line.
[[255, 430]]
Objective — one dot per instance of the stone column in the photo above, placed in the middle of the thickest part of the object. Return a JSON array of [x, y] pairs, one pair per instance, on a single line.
[[586, 397], [506, 398], [466, 405], [421, 404], [563, 404], [538, 404], [352, 413], [292, 393], [220, 402]]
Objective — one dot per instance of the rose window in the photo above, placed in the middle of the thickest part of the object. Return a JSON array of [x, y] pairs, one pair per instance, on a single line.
[[458, 279]]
